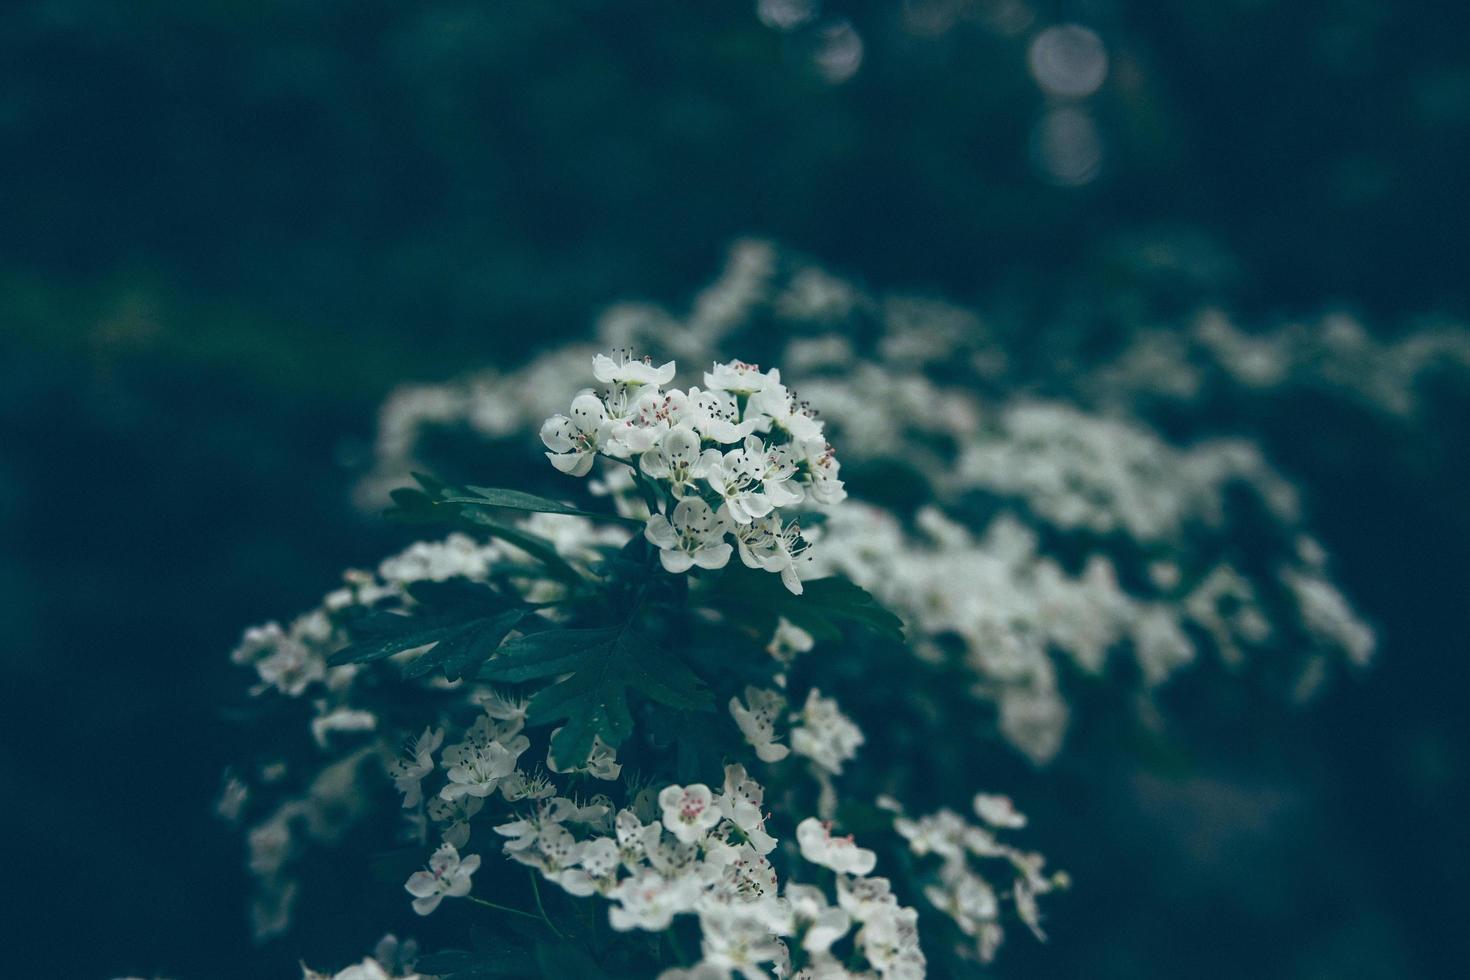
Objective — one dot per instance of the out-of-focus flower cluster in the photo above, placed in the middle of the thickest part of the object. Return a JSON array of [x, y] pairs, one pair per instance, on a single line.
[[939, 413]]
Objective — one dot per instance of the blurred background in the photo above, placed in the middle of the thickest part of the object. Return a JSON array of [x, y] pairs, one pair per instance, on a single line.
[[229, 229]]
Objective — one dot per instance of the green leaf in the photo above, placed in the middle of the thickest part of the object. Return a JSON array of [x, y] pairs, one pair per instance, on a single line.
[[604, 664], [412, 506], [532, 544], [824, 605], [382, 634], [517, 500], [462, 652], [461, 622]]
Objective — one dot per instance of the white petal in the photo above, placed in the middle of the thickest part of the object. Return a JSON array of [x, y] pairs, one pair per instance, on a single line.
[[421, 884], [675, 561], [711, 556], [660, 532]]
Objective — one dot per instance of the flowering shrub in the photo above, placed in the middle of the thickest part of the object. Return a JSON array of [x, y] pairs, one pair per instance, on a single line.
[[1026, 538], [604, 697], [636, 734]]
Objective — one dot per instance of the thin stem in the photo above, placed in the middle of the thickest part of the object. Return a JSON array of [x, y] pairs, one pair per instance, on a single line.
[[536, 890], [502, 908]]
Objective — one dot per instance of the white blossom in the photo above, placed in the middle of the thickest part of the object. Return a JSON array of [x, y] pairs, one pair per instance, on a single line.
[[676, 458], [695, 536], [688, 811], [824, 734], [841, 854], [740, 378], [789, 640], [622, 368], [740, 803], [574, 440], [737, 477], [453, 817], [417, 761], [475, 768], [448, 876], [647, 900], [998, 811], [602, 761], [756, 719]]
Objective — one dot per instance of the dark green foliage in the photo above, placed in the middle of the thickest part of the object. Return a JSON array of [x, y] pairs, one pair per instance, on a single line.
[[823, 607], [472, 510], [465, 622], [604, 664], [516, 500]]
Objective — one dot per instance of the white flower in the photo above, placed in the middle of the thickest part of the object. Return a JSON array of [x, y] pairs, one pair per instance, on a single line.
[[865, 898], [767, 545], [841, 854], [528, 830], [368, 969], [290, 667], [740, 943], [716, 416], [634, 839], [890, 941], [695, 536], [943, 833], [777, 472], [341, 719], [574, 440], [644, 422], [965, 897], [757, 721], [598, 871], [825, 735], [481, 767], [408, 771], [511, 710], [736, 477], [454, 816], [448, 875], [998, 811], [622, 368], [740, 378], [649, 901], [791, 549], [556, 850], [786, 412], [824, 924], [740, 804], [688, 811], [602, 762], [789, 640], [521, 785], [820, 462], [675, 458]]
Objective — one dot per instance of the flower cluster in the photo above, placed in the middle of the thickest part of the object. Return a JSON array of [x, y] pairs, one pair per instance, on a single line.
[[689, 850], [820, 732], [942, 394], [726, 458], [957, 887]]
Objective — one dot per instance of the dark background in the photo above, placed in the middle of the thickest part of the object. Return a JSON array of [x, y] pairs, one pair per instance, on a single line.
[[228, 229]]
